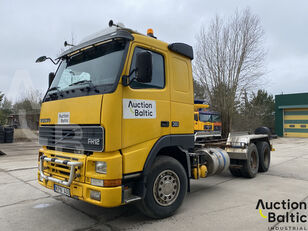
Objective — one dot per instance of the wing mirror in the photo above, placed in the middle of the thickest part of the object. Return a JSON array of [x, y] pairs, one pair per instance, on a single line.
[[44, 58], [41, 59]]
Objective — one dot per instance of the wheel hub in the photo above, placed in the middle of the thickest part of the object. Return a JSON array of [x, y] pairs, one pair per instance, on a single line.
[[253, 160], [166, 188]]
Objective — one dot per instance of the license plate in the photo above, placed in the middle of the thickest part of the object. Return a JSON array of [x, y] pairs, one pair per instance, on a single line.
[[62, 190]]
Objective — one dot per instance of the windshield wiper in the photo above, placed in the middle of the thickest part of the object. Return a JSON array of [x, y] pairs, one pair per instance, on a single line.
[[81, 82], [57, 89], [52, 89], [89, 82]]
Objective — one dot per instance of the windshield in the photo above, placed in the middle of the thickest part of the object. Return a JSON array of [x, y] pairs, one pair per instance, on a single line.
[[204, 118], [216, 118], [99, 65]]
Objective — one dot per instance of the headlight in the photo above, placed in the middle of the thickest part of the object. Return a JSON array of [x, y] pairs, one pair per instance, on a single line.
[[101, 167]]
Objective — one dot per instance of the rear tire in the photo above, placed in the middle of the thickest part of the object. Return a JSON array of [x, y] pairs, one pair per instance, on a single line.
[[235, 172], [251, 165], [264, 151], [263, 130], [166, 188]]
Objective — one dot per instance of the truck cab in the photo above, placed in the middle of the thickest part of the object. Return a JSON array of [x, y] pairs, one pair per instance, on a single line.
[[116, 124], [207, 123], [99, 112]]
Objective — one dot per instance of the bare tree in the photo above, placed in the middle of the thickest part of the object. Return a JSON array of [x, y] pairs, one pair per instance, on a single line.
[[199, 92], [229, 61]]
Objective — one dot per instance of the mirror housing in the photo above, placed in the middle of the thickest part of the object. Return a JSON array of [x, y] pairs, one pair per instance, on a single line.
[[41, 59], [51, 77], [144, 67]]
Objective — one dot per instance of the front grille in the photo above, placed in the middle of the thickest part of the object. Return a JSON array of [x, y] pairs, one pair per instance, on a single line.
[[88, 138]]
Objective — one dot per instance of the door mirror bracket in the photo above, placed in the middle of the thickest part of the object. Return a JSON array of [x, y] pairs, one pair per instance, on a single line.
[[126, 78]]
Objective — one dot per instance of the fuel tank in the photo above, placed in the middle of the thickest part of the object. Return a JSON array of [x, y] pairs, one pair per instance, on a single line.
[[216, 160]]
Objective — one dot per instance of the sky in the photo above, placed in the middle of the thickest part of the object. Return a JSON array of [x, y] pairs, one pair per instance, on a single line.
[[30, 29]]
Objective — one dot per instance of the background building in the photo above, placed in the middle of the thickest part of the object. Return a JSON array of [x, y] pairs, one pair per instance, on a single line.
[[291, 115]]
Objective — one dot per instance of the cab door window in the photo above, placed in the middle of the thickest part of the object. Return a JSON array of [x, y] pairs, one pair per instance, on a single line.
[[196, 117], [158, 71]]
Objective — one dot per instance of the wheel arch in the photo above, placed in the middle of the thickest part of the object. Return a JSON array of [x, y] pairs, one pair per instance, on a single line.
[[175, 146], [264, 139]]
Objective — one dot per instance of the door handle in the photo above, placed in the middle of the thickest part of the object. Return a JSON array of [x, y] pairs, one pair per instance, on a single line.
[[164, 124]]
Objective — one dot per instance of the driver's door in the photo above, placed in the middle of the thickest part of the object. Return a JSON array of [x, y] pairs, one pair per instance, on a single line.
[[146, 110]]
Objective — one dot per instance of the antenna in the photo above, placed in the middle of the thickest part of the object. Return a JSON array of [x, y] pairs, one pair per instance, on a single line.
[[120, 25], [67, 44], [111, 23]]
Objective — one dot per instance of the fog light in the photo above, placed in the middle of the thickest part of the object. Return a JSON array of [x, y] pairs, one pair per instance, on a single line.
[[97, 182], [101, 167], [95, 195]]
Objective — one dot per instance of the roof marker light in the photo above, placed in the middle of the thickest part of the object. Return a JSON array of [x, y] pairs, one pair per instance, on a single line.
[[150, 33]]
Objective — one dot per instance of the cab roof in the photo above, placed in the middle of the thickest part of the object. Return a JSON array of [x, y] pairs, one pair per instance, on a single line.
[[124, 33]]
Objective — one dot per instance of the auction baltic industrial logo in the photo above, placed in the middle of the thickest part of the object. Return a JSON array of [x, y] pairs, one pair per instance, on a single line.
[[139, 109], [290, 215]]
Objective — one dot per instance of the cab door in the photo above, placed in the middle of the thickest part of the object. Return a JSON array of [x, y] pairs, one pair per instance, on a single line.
[[146, 110], [196, 121]]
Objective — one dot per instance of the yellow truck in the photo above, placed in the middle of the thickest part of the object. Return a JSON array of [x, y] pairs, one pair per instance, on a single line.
[[116, 125], [207, 123]]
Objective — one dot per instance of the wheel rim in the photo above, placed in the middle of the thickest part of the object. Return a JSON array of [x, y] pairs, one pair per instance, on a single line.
[[266, 157], [166, 188], [253, 160]]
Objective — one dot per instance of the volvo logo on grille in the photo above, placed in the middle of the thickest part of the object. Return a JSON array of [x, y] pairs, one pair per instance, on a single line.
[[47, 120], [93, 141]]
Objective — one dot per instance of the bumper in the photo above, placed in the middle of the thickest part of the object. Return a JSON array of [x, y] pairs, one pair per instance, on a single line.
[[110, 196], [68, 171]]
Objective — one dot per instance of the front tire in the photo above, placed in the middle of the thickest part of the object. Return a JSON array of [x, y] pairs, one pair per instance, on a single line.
[[166, 188]]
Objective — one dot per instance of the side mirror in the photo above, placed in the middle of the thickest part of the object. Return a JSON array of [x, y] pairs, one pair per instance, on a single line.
[[144, 67], [41, 59], [51, 77]]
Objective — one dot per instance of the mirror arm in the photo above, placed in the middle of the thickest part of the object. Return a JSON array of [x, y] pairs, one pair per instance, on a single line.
[[125, 79], [55, 63]]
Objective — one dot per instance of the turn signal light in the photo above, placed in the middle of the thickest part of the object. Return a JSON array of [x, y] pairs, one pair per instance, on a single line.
[[112, 183]]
